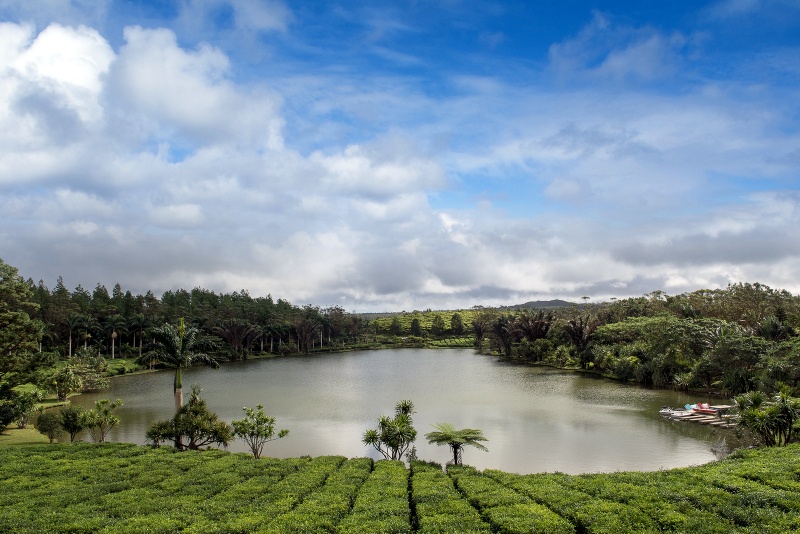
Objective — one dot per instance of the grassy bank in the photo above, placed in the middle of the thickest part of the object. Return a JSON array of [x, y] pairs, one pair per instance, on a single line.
[[16, 436], [126, 488]]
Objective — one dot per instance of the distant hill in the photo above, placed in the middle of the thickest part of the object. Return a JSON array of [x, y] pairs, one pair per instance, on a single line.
[[539, 305], [534, 305]]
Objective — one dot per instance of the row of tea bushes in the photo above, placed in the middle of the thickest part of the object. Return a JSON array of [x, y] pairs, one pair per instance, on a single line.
[[504, 508], [438, 506], [381, 504], [323, 509], [282, 496], [120, 488], [587, 513]]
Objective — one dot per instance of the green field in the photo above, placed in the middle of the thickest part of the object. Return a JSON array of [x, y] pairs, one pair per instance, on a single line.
[[127, 488]]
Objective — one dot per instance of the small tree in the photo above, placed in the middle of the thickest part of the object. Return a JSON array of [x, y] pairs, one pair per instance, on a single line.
[[395, 328], [7, 413], [437, 326], [394, 436], [193, 427], [72, 420], [49, 424], [446, 434], [416, 327], [25, 398], [101, 419], [457, 324], [66, 381], [256, 429]]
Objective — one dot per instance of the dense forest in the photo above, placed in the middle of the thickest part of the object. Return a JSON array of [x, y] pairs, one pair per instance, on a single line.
[[730, 341]]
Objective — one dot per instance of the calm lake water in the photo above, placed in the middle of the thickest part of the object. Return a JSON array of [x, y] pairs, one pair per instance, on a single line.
[[536, 419]]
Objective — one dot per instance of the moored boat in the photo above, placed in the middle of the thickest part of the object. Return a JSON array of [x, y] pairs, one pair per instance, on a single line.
[[704, 408]]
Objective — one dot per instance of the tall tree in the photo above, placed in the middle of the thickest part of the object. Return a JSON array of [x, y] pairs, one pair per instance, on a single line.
[[114, 328], [239, 334], [580, 332], [179, 347], [481, 324], [437, 326], [19, 333], [73, 323], [307, 326], [533, 326], [137, 324], [503, 333], [457, 324]]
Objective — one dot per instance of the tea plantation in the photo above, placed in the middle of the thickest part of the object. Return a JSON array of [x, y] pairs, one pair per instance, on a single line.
[[123, 488]]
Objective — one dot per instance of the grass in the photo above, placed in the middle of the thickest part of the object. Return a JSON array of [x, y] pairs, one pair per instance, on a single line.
[[24, 436]]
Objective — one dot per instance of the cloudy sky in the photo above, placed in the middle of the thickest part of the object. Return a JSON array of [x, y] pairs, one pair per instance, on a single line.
[[401, 154]]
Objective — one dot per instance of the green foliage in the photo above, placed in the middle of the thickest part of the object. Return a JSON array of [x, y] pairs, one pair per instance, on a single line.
[[49, 424], [457, 327], [65, 381], [194, 426], [115, 487], [775, 422], [7, 413], [179, 347], [438, 327], [381, 504], [19, 332], [416, 327], [447, 434], [24, 399], [256, 429], [438, 505], [101, 419], [394, 436], [72, 420], [505, 509]]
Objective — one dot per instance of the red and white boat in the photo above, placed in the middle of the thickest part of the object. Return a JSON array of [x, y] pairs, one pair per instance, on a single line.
[[704, 408]]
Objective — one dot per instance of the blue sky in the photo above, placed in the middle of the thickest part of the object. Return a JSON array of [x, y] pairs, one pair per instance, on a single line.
[[404, 154]]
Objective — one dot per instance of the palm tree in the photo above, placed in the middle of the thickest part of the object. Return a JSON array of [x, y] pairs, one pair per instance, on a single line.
[[456, 439], [239, 335], [502, 332], [580, 333], [138, 324], [73, 323], [113, 328], [179, 347], [89, 325]]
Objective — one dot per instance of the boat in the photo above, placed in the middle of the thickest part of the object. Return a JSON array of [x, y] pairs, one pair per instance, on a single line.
[[704, 408], [673, 413]]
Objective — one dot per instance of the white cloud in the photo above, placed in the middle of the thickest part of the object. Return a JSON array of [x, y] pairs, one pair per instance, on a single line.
[[52, 84], [166, 90], [606, 52], [177, 215], [364, 172], [197, 16]]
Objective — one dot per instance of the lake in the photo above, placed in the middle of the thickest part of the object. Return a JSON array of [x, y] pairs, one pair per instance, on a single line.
[[537, 419]]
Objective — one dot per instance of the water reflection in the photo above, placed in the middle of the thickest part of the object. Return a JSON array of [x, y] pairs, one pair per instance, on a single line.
[[537, 419]]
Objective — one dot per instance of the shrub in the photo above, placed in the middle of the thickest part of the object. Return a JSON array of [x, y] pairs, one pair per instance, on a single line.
[[49, 424]]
